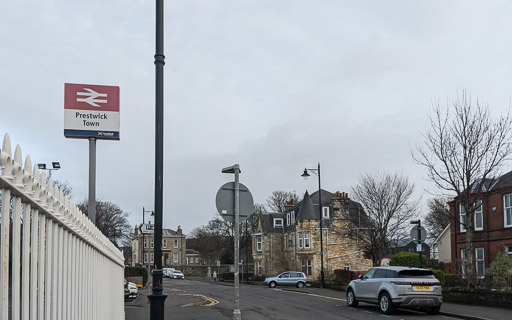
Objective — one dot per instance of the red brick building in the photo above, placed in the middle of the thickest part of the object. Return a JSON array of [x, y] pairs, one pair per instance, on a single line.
[[493, 226]]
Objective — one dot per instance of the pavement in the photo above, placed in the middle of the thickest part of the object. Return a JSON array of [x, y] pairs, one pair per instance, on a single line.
[[454, 310]]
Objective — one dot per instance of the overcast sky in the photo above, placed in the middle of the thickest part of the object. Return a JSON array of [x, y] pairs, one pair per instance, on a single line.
[[271, 85]]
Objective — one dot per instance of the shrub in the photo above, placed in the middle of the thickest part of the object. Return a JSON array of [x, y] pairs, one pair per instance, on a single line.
[[452, 280], [407, 259], [500, 270], [136, 272], [439, 274]]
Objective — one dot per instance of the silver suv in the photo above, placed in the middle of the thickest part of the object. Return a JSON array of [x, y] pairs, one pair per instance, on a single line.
[[393, 287]]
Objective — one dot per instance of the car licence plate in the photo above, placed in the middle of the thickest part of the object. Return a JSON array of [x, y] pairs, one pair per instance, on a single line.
[[422, 288]]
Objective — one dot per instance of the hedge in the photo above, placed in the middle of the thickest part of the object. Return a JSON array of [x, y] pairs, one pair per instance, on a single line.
[[136, 272], [408, 259]]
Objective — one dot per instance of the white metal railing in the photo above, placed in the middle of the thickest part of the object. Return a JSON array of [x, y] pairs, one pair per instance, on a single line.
[[54, 263]]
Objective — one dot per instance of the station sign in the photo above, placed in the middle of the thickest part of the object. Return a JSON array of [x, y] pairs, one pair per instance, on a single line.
[[147, 228], [91, 111]]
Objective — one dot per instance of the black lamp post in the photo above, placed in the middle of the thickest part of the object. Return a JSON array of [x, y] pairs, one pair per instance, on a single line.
[[305, 175], [418, 222], [157, 297]]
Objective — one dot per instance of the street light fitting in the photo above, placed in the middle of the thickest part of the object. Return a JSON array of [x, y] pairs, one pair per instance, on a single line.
[[305, 175], [415, 222], [41, 166], [232, 169], [56, 165]]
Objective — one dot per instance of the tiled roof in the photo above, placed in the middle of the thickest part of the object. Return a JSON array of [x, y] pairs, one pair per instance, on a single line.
[[503, 181], [268, 221], [307, 209]]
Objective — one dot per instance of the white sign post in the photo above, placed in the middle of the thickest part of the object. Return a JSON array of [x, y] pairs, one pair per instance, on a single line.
[[91, 112]]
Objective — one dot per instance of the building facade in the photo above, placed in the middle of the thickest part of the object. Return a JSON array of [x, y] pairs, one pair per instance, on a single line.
[[492, 226], [291, 240], [174, 248]]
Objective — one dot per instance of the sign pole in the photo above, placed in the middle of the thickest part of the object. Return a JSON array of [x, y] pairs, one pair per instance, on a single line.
[[419, 241], [236, 313], [92, 180]]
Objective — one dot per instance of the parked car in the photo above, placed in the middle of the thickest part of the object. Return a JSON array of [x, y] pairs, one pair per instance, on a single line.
[[133, 291], [167, 272], [177, 274], [397, 287], [288, 278]]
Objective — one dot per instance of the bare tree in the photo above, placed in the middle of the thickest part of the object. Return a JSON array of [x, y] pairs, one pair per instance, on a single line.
[[388, 205], [277, 201], [64, 186], [438, 217], [463, 152], [111, 220]]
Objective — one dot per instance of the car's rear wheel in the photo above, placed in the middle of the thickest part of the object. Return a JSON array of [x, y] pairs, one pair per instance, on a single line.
[[385, 303], [272, 284], [300, 285], [351, 299], [433, 310]]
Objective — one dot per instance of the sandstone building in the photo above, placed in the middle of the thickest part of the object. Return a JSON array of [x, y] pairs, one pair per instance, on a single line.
[[291, 240]]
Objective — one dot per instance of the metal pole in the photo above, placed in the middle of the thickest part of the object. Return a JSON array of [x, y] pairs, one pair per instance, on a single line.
[[246, 249], [91, 210], [322, 278], [157, 298], [236, 313], [143, 238], [419, 241]]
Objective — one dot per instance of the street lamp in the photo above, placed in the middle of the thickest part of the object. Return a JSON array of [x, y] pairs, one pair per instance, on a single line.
[[306, 175], [418, 222], [55, 165]]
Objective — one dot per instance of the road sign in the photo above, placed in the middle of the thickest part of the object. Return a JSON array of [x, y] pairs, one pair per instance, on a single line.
[[91, 111], [414, 234], [225, 201], [147, 228]]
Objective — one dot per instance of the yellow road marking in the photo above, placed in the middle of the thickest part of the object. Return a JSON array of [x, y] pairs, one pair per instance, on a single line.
[[313, 295], [211, 301]]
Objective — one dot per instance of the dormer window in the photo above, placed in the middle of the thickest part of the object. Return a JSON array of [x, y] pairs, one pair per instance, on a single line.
[[288, 219], [278, 222], [293, 217], [325, 212]]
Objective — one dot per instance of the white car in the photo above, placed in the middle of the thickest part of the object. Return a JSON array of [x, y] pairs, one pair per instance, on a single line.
[[177, 274], [132, 287], [167, 272]]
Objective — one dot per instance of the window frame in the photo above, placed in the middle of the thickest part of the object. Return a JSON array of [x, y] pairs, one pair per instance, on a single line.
[[481, 213], [164, 243], [280, 225], [307, 240], [325, 212], [505, 225], [462, 218], [175, 258], [259, 245], [481, 260], [346, 267], [301, 240]]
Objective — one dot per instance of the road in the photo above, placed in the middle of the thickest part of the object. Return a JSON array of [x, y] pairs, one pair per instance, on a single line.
[[192, 299]]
